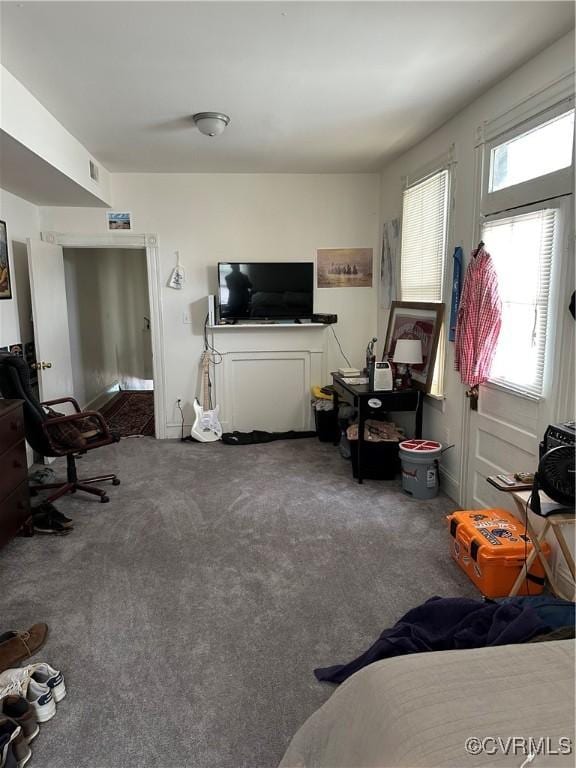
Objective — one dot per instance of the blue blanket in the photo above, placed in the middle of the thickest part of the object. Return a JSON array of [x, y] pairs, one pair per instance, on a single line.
[[447, 623]]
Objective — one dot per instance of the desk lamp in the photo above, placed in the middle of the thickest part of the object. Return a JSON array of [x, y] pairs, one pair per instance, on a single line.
[[407, 352]]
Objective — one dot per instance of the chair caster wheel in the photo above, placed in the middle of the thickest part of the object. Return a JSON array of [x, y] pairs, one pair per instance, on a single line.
[[104, 499], [115, 481]]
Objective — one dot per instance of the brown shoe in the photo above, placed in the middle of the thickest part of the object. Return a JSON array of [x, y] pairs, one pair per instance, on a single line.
[[22, 712], [18, 645], [11, 733]]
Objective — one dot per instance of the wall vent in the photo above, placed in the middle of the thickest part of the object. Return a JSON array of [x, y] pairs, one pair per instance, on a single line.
[[94, 172]]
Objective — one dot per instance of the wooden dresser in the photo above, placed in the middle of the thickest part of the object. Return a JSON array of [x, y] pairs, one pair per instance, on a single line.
[[14, 496]]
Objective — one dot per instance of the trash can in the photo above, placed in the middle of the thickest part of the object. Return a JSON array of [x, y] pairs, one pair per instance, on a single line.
[[420, 460], [325, 417]]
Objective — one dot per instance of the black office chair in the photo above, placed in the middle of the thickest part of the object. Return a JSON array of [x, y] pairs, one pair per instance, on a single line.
[[52, 434]]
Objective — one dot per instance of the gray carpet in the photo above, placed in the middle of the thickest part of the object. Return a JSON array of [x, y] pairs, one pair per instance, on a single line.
[[189, 612]]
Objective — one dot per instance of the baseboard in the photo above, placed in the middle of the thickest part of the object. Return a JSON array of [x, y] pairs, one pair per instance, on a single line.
[[174, 431], [449, 485], [102, 397]]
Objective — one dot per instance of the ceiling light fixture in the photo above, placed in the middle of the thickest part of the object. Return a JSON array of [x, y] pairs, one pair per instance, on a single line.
[[211, 123]]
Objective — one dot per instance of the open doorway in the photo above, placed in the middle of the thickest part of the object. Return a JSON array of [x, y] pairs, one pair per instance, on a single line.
[[110, 336]]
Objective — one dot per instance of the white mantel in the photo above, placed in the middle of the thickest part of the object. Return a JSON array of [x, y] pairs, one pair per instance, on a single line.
[[266, 374]]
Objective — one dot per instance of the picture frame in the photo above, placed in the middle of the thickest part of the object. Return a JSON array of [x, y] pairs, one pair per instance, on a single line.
[[344, 267], [416, 320], [5, 279], [118, 221]]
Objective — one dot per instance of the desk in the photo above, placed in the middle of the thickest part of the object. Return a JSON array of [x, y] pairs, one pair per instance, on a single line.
[[554, 520], [360, 396]]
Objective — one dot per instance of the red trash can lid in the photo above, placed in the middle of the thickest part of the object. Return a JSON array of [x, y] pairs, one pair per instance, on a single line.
[[420, 446]]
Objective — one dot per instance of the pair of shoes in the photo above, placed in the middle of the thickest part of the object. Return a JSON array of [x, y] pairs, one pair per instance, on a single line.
[[21, 712], [47, 519], [40, 684], [46, 507], [17, 645], [14, 750]]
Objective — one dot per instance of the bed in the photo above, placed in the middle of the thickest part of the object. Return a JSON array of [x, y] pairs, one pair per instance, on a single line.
[[419, 710]]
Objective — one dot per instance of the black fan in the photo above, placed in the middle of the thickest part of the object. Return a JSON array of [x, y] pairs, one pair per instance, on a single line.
[[555, 476]]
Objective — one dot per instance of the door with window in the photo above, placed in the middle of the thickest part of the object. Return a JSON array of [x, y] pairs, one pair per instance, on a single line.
[[525, 222]]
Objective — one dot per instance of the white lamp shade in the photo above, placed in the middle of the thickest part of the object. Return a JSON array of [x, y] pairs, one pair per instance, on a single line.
[[211, 123], [408, 351]]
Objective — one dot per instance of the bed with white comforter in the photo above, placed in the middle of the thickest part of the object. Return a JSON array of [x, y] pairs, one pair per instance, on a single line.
[[419, 711]]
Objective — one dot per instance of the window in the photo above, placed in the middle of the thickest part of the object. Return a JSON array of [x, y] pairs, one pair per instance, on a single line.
[[537, 152], [527, 178], [423, 250], [424, 216], [521, 247]]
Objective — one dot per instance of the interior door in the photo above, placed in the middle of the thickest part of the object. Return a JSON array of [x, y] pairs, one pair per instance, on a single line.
[[50, 316]]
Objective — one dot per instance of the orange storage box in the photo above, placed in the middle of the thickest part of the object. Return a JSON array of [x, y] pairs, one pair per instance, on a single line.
[[491, 545]]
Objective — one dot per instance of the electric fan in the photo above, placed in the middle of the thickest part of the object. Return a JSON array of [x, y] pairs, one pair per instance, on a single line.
[[555, 477]]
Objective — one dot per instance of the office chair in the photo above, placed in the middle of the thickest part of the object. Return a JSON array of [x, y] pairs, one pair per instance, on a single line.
[[52, 434]]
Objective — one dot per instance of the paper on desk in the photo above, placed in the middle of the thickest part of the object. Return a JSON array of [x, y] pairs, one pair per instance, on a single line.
[[356, 380]]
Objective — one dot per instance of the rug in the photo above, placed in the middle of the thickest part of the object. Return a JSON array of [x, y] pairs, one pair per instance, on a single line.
[[130, 413]]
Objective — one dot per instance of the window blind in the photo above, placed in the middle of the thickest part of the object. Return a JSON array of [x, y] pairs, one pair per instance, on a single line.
[[424, 215], [522, 247]]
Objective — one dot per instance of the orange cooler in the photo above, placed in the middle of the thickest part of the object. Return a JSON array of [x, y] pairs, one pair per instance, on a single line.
[[491, 545]]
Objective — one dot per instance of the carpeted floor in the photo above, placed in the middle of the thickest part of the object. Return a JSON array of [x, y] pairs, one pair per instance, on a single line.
[[189, 612], [130, 413]]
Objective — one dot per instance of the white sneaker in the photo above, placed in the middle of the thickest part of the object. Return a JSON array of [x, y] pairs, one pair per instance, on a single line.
[[19, 682], [46, 675]]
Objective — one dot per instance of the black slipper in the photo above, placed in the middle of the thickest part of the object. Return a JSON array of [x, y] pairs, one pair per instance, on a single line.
[[49, 509], [43, 523]]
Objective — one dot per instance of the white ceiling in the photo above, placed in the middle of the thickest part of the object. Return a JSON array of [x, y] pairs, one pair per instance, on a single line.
[[310, 86]]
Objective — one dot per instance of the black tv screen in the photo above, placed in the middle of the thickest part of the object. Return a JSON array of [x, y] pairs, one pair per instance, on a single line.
[[265, 290]]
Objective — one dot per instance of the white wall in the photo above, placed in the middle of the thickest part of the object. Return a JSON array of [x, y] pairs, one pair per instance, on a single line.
[[22, 221], [236, 217], [24, 118], [107, 295], [442, 421]]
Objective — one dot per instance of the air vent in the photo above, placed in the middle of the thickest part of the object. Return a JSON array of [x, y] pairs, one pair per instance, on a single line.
[[94, 172]]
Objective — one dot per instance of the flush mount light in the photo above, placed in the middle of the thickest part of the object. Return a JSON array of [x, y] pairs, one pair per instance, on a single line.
[[211, 123]]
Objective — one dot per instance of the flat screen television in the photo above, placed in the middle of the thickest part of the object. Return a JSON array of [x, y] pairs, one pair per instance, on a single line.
[[280, 290]]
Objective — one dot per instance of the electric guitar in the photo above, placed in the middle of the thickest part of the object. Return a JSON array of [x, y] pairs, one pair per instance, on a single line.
[[206, 427]]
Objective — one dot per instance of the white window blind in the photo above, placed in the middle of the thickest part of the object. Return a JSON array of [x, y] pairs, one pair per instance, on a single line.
[[522, 247], [424, 216]]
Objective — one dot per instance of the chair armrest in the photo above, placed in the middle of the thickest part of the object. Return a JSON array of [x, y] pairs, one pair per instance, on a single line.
[[63, 400], [77, 417]]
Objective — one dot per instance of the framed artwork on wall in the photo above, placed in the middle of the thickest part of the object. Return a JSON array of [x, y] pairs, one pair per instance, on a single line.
[[118, 220], [5, 282], [416, 320], [344, 267]]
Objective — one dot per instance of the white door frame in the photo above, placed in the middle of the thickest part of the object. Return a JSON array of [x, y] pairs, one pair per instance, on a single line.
[[149, 242]]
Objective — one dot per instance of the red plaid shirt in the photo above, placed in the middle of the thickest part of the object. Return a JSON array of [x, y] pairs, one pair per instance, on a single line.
[[479, 320]]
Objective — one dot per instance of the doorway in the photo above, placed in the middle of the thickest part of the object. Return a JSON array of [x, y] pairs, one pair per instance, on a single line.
[[110, 335], [51, 323]]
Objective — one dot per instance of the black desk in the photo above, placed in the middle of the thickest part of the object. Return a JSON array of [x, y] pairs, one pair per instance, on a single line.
[[360, 396]]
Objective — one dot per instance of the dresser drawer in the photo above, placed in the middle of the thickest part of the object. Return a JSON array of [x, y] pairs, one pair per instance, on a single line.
[[14, 512], [11, 429], [13, 468]]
